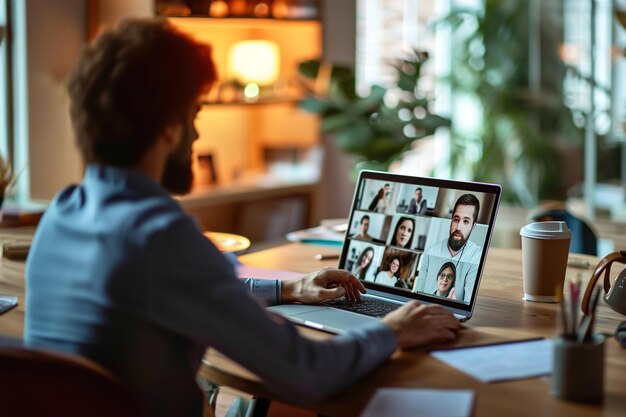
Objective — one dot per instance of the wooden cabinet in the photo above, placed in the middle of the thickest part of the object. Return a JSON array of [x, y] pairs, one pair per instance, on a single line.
[[262, 208]]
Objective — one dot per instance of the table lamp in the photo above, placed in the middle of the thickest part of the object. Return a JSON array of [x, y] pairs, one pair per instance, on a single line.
[[254, 64]]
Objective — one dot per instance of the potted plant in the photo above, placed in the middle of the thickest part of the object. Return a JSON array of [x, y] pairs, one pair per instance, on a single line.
[[526, 127], [376, 129]]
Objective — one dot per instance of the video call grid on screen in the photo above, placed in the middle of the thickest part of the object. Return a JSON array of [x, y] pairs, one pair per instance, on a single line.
[[403, 235]]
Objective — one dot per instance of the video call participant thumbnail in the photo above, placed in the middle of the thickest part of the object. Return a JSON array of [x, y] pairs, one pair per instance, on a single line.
[[363, 263], [418, 204], [456, 247], [402, 235], [445, 281], [364, 229], [390, 272]]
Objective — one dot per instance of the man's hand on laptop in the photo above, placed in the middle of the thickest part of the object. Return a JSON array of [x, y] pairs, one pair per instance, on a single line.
[[418, 324], [322, 285]]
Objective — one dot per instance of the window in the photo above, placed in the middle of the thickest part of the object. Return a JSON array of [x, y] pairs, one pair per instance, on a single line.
[[388, 30], [4, 82], [576, 52]]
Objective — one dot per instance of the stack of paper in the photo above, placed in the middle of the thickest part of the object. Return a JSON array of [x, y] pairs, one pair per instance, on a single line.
[[501, 362]]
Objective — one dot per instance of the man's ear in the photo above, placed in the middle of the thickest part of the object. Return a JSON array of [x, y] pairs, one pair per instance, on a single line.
[[171, 135]]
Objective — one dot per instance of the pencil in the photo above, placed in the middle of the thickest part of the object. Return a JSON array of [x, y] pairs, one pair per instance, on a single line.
[[325, 256], [574, 286], [562, 310]]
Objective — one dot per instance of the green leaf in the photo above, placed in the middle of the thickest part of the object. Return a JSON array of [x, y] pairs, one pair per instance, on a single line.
[[309, 69], [339, 72], [372, 165], [336, 121], [316, 105], [342, 90], [365, 126], [432, 122], [384, 148], [406, 82], [355, 137], [372, 102]]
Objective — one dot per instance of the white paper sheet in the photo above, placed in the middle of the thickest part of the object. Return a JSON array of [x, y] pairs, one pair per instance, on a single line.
[[408, 402], [501, 362]]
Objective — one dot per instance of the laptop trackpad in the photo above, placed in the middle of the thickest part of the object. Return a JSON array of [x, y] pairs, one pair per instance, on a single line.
[[333, 320]]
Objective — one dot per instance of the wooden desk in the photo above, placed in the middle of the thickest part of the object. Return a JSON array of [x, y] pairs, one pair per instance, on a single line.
[[12, 282], [500, 314]]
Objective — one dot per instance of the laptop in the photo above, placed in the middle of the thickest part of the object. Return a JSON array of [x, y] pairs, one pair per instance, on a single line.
[[409, 238]]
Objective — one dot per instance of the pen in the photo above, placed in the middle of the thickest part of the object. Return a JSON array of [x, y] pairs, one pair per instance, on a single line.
[[563, 315], [586, 327], [503, 342], [325, 256], [574, 287]]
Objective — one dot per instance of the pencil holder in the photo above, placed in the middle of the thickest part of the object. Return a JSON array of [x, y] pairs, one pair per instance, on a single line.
[[579, 369]]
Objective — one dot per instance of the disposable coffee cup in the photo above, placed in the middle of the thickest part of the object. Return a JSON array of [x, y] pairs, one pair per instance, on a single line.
[[545, 248]]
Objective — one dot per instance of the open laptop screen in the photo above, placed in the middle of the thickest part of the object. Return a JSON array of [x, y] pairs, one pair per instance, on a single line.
[[421, 238]]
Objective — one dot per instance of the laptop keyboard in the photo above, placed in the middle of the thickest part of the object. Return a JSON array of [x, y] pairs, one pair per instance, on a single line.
[[373, 307]]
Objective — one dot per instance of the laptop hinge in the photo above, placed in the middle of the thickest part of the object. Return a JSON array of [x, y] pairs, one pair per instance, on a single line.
[[386, 296]]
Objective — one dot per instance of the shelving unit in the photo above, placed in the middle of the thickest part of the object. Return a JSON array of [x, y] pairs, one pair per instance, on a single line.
[[287, 10], [249, 197]]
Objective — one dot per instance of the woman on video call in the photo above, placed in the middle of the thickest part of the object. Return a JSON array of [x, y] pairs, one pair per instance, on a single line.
[[389, 274], [403, 233], [363, 263], [445, 281]]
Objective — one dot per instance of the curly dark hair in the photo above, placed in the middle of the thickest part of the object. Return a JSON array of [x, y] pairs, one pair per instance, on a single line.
[[132, 83]]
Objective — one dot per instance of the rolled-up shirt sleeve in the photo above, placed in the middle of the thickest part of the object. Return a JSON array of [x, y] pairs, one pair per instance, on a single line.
[[268, 291]]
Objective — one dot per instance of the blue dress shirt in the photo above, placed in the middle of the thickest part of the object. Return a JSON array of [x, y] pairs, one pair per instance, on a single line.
[[120, 274]]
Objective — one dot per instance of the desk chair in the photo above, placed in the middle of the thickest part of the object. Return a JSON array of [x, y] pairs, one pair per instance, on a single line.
[[584, 239], [38, 383]]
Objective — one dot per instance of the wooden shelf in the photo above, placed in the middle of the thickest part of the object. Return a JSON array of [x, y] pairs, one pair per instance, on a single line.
[[247, 189], [265, 101], [284, 12], [244, 19]]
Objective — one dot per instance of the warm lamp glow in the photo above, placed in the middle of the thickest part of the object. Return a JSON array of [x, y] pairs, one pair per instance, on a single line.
[[254, 61], [251, 91]]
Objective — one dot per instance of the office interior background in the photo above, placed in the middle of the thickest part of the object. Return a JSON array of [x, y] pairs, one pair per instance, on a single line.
[[529, 94]]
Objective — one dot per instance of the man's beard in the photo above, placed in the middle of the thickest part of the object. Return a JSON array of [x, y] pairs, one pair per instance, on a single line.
[[455, 244], [177, 176]]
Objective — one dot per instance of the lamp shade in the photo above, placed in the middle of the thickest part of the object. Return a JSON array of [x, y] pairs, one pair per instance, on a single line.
[[254, 61]]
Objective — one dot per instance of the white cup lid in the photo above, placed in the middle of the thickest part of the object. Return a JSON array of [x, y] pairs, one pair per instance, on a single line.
[[546, 230]]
